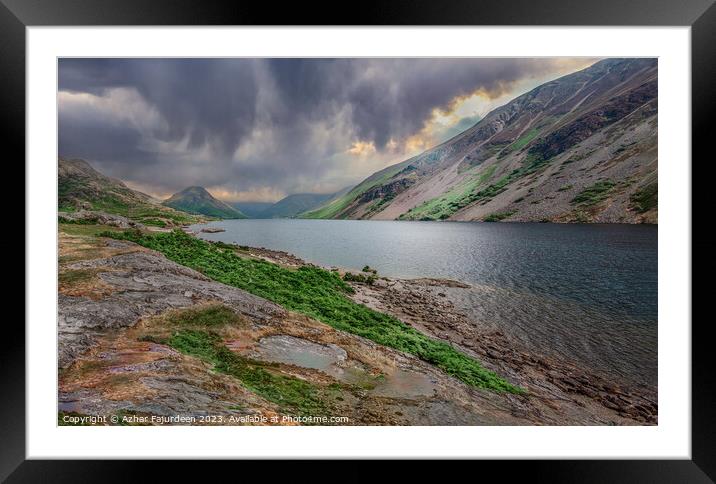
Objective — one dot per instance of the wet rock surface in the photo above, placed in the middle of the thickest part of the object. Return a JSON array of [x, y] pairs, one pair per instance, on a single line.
[[559, 390], [109, 365]]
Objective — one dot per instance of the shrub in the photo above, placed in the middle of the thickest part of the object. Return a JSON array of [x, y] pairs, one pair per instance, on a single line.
[[594, 193], [496, 217]]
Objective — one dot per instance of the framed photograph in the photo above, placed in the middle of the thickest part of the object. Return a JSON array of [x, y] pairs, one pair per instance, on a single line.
[[434, 232]]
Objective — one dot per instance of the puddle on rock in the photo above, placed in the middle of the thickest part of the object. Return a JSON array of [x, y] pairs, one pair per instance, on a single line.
[[405, 384], [300, 352], [333, 360]]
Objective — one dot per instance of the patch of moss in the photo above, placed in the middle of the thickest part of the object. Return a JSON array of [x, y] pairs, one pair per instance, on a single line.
[[206, 315], [75, 276]]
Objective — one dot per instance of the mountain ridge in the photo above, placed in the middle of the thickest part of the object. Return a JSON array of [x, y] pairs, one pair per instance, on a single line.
[[580, 148], [251, 209], [80, 187], [295, 204], [198, 200]]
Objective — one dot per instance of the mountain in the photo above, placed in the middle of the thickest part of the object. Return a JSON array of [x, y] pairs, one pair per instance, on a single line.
[[198, 201], [581, 148], [293, 205], [251, 209], [81, 187]]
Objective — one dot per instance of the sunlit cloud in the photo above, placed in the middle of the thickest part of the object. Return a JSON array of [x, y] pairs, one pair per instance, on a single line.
[[362, 148], [257, 194]]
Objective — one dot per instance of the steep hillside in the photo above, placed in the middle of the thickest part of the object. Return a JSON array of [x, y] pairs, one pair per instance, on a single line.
[[293, 205], [581, 148], [251, 209], [81, 187], [198, 201], [341, 203]]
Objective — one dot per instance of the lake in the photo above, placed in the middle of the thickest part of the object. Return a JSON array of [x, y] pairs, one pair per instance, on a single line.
[[583, 292]]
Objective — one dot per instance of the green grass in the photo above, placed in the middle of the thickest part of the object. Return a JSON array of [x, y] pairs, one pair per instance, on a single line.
[[80, 221], [362, 278], [646, 198], [146, 214], [156, 222], [206, 316], [497, 217], [291, 394], [593, 194], [75, 276], [523, 140], [444, 206], [86, 229], [317, 293]]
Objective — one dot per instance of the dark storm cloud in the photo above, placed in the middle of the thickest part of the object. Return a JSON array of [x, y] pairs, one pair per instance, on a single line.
[[245, 123], [206, 99]]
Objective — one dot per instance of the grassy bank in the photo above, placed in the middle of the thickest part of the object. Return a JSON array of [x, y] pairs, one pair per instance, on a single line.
[[317, 293]]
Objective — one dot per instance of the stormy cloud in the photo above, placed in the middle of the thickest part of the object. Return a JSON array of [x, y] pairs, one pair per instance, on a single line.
[[262, 128]]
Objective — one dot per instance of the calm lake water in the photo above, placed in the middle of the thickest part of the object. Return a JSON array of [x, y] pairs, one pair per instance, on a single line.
[[583, 292]]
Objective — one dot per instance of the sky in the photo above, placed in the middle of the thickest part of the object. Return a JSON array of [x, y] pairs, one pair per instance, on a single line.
[[261, 129]]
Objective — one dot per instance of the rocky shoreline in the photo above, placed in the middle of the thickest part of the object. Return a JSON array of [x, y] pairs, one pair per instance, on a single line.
[[556, 386], [115, 297], [553, 384]]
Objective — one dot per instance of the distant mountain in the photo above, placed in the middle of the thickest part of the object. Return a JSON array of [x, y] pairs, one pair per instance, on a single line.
[[81, 187], [293, 205], [251, 209], [198, 201], [581, 148]]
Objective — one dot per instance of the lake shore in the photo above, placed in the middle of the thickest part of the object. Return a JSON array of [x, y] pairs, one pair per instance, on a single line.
[[118, 302], [555, 386]]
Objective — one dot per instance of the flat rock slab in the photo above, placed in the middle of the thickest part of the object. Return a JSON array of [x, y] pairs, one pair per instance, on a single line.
[[144, 284]]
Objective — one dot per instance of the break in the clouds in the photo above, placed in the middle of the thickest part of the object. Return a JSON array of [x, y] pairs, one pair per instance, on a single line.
[[258, 129]]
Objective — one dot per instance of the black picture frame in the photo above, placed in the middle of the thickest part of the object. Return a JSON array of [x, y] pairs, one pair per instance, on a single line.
[[700, 15]]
